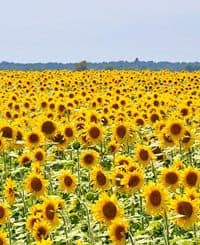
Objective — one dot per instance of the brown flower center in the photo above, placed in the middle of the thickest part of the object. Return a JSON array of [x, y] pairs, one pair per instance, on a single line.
[[68, 181], [144, 155], [41, 232], [34, 138], [7, 132], [175, 128], [191, 179], [109, 210], [121, 131], [186, 137], [50, 212], [101, 178], [68, 132], [88, 159], [39, 156], [133, 181], [119, 232], [185, 208], [171, 178], [2, 212], [94, 132], [155, 198], [36, 184], [48, 127]]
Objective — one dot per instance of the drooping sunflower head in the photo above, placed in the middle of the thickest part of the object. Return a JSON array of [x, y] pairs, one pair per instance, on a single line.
[[4, 213], [10, 190], [3, 238], [117, 231], [41, 230], [25, 159]]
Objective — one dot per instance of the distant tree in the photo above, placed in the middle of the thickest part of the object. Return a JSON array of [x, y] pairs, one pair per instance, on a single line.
[[81, 66]]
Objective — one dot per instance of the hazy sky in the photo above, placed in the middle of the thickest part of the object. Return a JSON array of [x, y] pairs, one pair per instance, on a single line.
[[99, 30]]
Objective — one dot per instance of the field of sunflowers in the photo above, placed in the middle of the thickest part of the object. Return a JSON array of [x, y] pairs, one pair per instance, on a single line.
[[99, 157]]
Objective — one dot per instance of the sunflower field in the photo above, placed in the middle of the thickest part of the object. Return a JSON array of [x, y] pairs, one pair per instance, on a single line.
[[99, 157]]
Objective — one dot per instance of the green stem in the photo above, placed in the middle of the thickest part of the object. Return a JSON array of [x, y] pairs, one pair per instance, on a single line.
[[131, 238], [65, 226], [167, 228], [141, 212]]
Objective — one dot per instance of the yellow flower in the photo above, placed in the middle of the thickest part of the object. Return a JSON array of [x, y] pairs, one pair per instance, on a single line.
[[10, 190], [67, 181], [3, 238], [187, 209], [107, 209], [99, 178], [36, 184], [89, 158], [4, 213], [41, 230], [117, 231], [156, 199], [191, 177], [50, 206], [133, 181], [144, 155], [170, 178]]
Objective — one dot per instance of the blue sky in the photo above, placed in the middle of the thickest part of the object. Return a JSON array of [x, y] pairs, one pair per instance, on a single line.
[[99, 30]]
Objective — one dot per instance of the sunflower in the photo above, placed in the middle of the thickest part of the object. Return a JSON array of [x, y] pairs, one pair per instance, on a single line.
[[41, 230], [34, 138], [117, 231], [99, 178], [113, 146], [10, 190], [48, 127], [31, 220], [107, 209], [143, 155], [187, 139], [39, 155], [175, 129], [94, 133], [3, 238], [69, 132], [7, 131], [67, 181], [121, 132], [191, 177], [44, 242], [187, 209], [133, 181], [156, 199], [170, 178], [25, 159], [50, 206], [36, 184], [117, 179], [89, 158], [4, 213]]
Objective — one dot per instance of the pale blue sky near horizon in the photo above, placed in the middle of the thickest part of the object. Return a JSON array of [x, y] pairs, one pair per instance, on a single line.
[[93, 30]]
